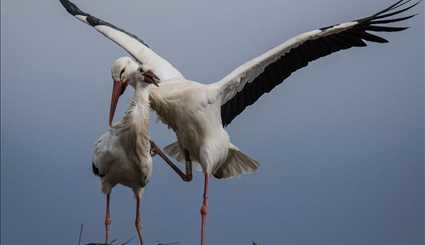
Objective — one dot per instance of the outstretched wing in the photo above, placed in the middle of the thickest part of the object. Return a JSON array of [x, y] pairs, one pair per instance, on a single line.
[[247, 83], [131, 43]]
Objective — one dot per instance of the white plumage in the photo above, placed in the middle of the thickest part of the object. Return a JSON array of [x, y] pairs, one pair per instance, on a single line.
[[122, 154], [192, 110]]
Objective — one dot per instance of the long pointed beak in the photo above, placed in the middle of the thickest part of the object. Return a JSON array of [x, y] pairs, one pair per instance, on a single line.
[[117, 90]]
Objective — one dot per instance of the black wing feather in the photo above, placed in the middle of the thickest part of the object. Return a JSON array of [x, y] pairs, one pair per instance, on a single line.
[[385, 28], [311, 50], [392, 20]]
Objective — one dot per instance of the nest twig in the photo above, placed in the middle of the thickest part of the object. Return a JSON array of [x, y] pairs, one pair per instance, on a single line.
[[116, 242]]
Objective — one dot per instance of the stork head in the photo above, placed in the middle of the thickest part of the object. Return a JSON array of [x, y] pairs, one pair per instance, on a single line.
[[126, 72]]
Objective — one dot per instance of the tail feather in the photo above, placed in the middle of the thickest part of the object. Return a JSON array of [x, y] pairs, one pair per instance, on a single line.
[[96, 171], [173, 150], [237, 163]]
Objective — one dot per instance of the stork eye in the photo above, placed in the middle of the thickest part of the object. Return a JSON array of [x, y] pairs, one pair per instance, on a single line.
[[122, 71], [141, 70]]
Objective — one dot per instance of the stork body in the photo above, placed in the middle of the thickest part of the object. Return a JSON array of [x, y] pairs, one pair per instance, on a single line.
[[192, 110], [122, 154]]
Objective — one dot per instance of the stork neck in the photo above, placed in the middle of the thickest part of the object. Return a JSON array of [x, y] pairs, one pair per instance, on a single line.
[[141, 95], [139, 110], [136, 121], [137, 116], [133, 129]]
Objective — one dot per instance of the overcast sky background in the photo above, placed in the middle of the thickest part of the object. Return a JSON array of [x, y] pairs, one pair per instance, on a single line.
[[341, 143]]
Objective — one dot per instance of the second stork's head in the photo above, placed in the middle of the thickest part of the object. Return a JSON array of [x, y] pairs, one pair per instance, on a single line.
[[126, 71]]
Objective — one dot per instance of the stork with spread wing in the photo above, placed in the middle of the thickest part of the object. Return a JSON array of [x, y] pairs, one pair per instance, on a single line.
[[198, 113]]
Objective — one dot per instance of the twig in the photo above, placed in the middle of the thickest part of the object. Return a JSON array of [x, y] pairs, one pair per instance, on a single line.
[[128, 241], [167, 243], [81, 234]]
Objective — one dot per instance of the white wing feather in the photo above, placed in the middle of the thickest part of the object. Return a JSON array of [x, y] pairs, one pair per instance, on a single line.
[[246, 73], [249, 82], [132, 44]]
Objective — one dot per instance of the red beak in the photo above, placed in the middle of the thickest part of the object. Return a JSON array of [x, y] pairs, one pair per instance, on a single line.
[[117, 90]]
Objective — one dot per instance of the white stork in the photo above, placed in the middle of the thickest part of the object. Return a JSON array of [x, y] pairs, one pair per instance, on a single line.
[[198, 113], [122, 154]]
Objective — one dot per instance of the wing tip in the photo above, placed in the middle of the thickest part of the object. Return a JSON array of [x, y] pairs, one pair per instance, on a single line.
[[396, 9], [75, 11], [71, 8]]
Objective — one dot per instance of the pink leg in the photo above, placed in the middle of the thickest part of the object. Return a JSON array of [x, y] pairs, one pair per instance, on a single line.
[[108, 220], [204, 209], [138, 222]]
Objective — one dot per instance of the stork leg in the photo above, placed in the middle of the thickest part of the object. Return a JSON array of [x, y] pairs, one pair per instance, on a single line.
[[204, 209], [188, 175], [185, 176], [138, 221], [108, 220]]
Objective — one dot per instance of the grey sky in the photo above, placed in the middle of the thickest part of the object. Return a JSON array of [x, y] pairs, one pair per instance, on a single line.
[[341, 143]]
